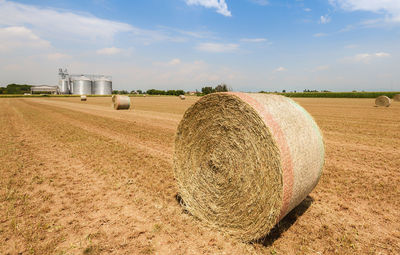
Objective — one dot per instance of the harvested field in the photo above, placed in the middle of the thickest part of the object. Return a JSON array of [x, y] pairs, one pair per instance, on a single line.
[[79, 177]]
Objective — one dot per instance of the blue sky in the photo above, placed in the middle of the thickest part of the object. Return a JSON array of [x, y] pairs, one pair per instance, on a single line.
[[251, 45]]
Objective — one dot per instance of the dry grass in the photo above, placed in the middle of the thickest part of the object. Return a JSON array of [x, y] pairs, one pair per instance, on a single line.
[[83, 178]]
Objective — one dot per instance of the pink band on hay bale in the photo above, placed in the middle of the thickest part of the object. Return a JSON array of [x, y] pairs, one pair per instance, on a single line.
[[286, 159]]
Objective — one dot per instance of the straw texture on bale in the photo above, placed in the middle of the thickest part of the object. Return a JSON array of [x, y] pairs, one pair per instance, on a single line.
[[182, 97], [243, 161], [83, 98], [382, 101], [396, 98], [121, 102]]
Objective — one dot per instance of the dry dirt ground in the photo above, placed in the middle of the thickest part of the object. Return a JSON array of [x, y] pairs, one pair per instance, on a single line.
[[80, 178]]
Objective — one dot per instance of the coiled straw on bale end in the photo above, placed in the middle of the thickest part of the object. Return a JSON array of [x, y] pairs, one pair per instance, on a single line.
[[243, 161], [382, 101], [396, 98], [182, 97], [121, 102], [83, 98]]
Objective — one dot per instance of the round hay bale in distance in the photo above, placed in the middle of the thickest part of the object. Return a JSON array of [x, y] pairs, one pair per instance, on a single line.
[[396, 98], [243, 161], [182, 97], [121, 102], [382, 101], [83, 98]]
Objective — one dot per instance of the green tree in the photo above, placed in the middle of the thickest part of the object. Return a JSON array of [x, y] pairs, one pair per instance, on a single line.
[[207, 90], [180, 92], [221, 88], [16, 89], [155, 92]]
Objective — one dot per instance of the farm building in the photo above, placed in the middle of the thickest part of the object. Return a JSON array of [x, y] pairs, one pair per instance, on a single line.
[[44, 89]]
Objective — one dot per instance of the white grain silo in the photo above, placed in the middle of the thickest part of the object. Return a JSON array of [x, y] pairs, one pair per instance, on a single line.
[[102, 86], [82, 86]]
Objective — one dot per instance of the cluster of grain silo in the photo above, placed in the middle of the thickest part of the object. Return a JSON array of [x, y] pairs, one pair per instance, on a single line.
[[84, 84]]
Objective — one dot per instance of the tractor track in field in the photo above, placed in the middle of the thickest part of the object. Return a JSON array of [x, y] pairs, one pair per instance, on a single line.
[[163, 151], [163, 120]]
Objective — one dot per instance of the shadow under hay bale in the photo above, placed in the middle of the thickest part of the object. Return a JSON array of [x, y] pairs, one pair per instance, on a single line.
[[280, 228], [181, 203], [285, 223]]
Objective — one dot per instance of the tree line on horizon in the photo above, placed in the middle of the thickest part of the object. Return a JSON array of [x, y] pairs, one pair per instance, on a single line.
[[15, 89], [204, 91]]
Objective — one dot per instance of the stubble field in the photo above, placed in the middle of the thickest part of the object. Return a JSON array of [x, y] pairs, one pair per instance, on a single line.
[[81, 178]]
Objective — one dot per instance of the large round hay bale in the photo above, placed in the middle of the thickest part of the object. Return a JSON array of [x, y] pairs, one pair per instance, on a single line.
[[243, 161], [382, 101], [396, 98], [182, 97], [83, 98], [121, 102]]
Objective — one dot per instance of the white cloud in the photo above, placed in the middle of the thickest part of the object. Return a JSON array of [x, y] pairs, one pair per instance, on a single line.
[[325, 19], [220, 5], [20, 37], [189, 75], [382, 54], [307, 9], [389, 7], [351, 46], [347, 28], [78, 27], [321, 68], [57, 56], [367, 57], [217, 47], [194, 34], [109, 51], [362, 57], [280, 69], [172, 63], [260, 2], [253, 40], [60, 24], [175, 61], [320, 35]]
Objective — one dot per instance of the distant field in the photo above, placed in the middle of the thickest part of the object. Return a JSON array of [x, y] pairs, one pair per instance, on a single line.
[[81, 178], [340, 94]]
